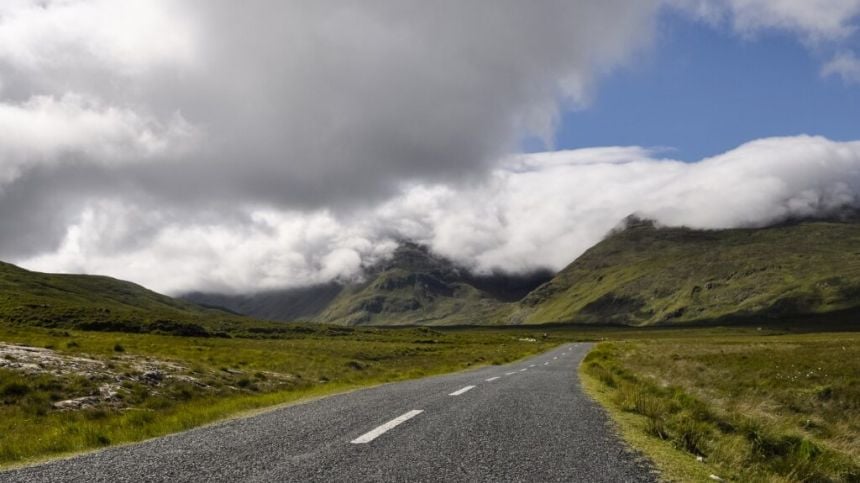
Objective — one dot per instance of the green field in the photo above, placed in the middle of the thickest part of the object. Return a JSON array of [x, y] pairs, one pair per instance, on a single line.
[[744, 408]]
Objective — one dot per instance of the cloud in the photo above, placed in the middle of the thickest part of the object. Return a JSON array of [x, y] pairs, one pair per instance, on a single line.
[[845, 65], [44, 131], [281, 104], [265, 250], [814, 20], [534, 211], [124, 39], [548, 215]]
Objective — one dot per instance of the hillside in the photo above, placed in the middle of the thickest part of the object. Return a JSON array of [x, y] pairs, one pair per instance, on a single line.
[[417, 287], [101, 303], [645, 275]]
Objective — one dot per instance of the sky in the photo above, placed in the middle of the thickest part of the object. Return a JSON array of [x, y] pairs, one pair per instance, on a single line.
[[236, 147], [703, 91]]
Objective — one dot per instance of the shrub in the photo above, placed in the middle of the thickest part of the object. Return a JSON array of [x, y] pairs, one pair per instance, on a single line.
[[15, 389], [692, 435]]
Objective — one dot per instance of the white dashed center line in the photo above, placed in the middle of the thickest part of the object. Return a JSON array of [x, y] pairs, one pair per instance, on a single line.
[[546, 363], [523, 369], [555, 358], [461, 391], [510, 373], [492, 379], [531, 365], [379, 431]]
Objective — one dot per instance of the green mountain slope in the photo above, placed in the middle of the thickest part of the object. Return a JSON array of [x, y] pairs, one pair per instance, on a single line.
[[646, 275], [99, 303], [416, 287]]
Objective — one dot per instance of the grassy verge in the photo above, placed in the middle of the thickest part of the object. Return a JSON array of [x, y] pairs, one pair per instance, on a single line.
[[70, 391], [743, 408]]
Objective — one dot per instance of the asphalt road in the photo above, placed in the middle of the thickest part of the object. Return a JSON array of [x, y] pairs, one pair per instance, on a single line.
[[526, 421]]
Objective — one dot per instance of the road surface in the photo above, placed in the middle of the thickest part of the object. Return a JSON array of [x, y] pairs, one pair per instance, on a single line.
[[526, 421]]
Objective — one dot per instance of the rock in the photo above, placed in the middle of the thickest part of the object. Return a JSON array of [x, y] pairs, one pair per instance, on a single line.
[[36, 360], [188, 379], [154, 376], [77, 403], [109, 392]]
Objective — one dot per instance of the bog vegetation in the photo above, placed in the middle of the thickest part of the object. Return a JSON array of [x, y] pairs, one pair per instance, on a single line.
[[776, 408]]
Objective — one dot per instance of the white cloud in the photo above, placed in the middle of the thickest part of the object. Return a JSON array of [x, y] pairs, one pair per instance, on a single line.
[[45, 131], [268, 250], [845, 65], [551, 213], [518, 220], [126, 37], [813, 20]]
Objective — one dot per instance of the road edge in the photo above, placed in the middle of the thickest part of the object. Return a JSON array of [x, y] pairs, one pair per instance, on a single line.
[[670, 464]]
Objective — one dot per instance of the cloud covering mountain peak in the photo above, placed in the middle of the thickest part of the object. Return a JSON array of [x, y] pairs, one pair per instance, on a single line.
[[534, 211]]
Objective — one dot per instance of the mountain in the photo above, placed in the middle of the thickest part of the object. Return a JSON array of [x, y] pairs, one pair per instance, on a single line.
[[414, 286], [646, 275], [100, 303]]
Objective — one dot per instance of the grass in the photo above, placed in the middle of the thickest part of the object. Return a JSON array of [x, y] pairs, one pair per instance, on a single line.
[[773, 408], [87, 302], [158, 384]]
